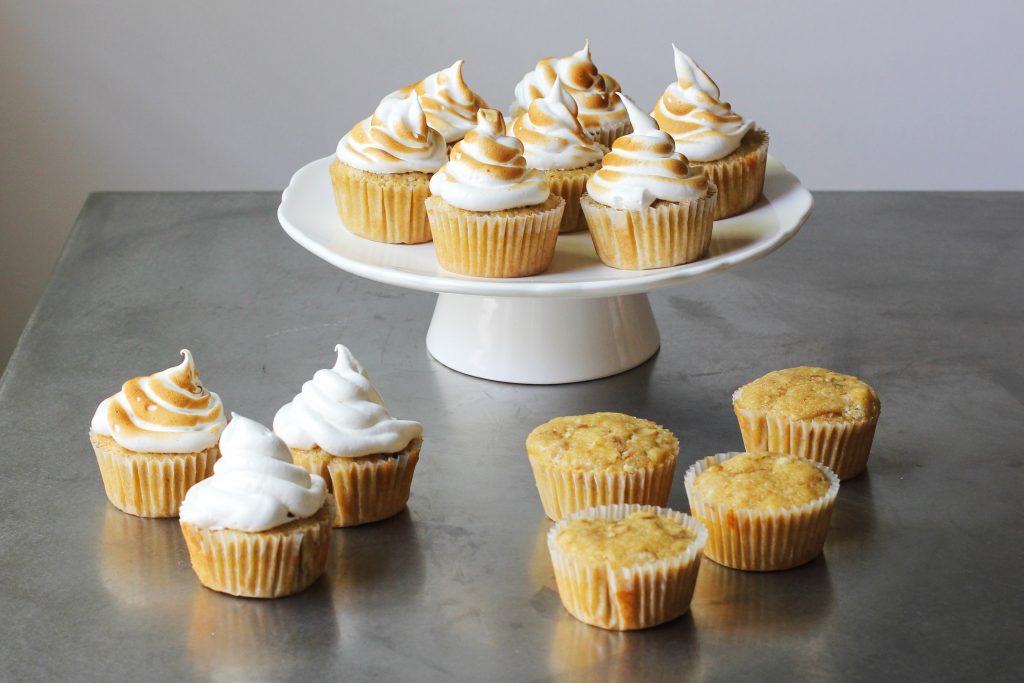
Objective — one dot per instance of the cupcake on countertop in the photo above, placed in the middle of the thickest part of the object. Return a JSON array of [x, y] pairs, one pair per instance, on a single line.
[[647, 207], [447, 101], [337, 427], [600, 112], [260, 526], [490, 215], [555, 142], [156, 438], [732, 150], [382, 171]]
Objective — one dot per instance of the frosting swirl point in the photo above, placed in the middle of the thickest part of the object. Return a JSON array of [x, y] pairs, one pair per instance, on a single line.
[[552, 135], [395, 139], [450, 104]]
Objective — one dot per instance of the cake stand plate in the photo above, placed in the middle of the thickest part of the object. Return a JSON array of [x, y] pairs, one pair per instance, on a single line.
[[578, 320]]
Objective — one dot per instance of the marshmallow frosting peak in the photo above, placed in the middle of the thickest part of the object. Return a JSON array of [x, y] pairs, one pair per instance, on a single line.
[[169, 412], [704, 128], [396, 139], [593, 91], [448, 102], [255, 486], [552, 136], [487, 170], [340, 411], [644, 167]]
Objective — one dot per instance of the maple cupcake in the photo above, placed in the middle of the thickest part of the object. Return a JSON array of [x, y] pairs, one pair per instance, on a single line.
[[156, 438], [449, 104], [647, 207], [732, 151], [382, 171], [337, 427]]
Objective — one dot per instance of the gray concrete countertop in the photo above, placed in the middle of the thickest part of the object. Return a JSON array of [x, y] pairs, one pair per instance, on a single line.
[[919, 294]]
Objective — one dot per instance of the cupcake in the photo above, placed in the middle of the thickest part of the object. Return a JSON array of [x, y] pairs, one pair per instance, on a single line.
[[732, 150], [490, 215], [600, 112], [382, 171], [555, 142], [815, 413], [337, 428], [260, 527], [626, 567], [447, 101], [584, 461], [763, 511], [647, 207], [155, 438]]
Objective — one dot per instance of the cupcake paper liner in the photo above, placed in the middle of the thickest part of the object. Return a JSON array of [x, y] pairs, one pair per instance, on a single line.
[[661, 235], [762, 540], [571, 185], [607, 133], [149, 484], [382, 207], [366, 489], [509, 243], [261, 564], [740, 175], [629, 597]]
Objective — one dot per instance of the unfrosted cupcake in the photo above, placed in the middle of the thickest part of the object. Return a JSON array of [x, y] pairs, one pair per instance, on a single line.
[[600, 112], [584, 461], [490, 215], [156, 438], [626, 567], [382, 172], [763, 511], [260, 527], [337, 427], [731, 149], [450, 104], [815, 413], [647, 207], [555, 142]]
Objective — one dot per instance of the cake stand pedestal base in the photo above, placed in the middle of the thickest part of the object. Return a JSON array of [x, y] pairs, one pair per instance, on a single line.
[[540, 340]]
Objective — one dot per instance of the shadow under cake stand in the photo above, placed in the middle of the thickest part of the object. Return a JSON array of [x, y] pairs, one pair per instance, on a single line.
[[578, 320]]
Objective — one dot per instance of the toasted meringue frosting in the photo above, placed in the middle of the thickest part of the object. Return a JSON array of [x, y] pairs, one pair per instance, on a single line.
[[169, 412], [255, 486], [594, 92], [487, 170], [553, 138], [703, 127], [396, 139], [644, 167], [340, 411], [448, 102]]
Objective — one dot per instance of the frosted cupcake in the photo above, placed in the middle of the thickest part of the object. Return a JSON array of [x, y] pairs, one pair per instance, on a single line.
[[600, 112], [156, 438], [337, 427], [490, 215], [555, 142], [450, 104], [382, 170], [731, 149], [647, 207], [260, 527]]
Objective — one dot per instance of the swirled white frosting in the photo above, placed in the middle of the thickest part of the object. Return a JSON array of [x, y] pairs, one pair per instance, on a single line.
[[169, 412], [396, 139], [689, 110], [340, 411], [255, 486], [553, 138], [487, 170], [644, 167], [448, 102]]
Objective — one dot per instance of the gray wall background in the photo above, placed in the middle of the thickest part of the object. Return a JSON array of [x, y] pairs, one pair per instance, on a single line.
[[234, 95]]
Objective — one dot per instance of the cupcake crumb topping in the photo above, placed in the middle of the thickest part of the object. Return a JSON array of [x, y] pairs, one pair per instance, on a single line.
[[637, 538], [808, 393], [762, 481]]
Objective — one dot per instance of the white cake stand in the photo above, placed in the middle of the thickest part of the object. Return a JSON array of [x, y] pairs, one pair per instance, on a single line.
[[579, 320]]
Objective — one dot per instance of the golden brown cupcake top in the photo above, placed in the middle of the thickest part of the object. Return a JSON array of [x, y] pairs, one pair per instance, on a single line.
[[762, 481], [610, 442], [807, 393], [637, 538]]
